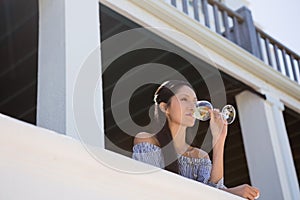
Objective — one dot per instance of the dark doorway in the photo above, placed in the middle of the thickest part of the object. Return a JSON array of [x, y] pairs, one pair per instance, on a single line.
[[18, 58]]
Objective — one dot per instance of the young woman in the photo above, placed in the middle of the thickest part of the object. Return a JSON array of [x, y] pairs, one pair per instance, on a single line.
[[174, 107]]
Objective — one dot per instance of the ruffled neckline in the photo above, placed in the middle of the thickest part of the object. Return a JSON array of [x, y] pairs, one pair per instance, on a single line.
[[191, 160], [181, 158]]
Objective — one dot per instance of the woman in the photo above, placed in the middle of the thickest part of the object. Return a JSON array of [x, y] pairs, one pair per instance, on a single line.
[[174, 106]]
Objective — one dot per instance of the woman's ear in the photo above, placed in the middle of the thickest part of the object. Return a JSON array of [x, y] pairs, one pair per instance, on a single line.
[[163, 107]]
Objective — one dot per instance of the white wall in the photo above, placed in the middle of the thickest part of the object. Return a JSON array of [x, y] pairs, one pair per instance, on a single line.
[[40, 164]]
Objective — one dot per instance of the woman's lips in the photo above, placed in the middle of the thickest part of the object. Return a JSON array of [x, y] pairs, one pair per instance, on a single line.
[[190, 115]]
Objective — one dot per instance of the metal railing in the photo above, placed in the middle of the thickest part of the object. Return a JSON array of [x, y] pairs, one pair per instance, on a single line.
[[278, 56], [238, 27]]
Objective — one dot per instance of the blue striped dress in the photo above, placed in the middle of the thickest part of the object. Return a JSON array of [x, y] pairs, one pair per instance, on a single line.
[[194, 168]]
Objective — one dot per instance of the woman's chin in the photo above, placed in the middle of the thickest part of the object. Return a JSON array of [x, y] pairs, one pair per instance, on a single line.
[[190, 124], [193, 124]]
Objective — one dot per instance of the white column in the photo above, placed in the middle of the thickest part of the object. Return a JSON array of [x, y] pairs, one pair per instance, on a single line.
[[69, 40], [267, 147]]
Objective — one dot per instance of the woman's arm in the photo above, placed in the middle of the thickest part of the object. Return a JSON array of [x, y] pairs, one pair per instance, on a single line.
[[146, 149], [218, 128], [145, 137], [245, 191]]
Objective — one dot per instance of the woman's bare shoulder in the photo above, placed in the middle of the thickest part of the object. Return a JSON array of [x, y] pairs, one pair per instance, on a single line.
[[201, 153], [145, 137]]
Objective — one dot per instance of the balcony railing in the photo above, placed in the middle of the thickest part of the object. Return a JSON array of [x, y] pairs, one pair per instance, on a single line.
[[278, 56], [238, 27]]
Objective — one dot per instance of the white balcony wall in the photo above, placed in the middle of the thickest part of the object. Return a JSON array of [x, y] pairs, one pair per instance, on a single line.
[[41, 164]]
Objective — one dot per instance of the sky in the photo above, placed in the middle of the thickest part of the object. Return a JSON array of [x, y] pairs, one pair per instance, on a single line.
[[280, 19]]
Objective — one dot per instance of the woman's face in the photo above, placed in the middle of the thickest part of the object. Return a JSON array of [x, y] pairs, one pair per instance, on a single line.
[[181, 107]]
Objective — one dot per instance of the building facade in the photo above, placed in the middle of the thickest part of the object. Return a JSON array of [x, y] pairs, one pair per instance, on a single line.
[[85, 66]]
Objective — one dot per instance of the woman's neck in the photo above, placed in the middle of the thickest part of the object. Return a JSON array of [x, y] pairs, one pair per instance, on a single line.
[[178, 133]]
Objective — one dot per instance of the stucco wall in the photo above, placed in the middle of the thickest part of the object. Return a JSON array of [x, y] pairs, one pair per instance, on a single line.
[[40, 164]]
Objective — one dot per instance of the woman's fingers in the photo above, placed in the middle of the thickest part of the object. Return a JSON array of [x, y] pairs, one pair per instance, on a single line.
[[217, 113], [211, 113], [218, 126], [253, 193], [256, 192], [257, 196], [246, 191], [214, 114]]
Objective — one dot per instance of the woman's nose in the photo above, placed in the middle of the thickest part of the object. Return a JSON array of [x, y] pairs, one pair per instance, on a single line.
[[192, 106]]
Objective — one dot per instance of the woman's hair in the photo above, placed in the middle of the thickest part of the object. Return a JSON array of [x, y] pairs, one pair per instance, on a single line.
[[163, 94]]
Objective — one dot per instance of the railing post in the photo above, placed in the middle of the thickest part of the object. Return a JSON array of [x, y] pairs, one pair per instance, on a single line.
[[247, 33]]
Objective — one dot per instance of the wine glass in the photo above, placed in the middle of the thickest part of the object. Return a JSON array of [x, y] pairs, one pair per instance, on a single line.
[[201, 112]]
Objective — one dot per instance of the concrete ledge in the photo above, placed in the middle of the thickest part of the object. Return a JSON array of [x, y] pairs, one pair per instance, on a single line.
[[40, 164]]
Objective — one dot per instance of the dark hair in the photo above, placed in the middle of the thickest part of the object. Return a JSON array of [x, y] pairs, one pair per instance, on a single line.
[[163, 94]]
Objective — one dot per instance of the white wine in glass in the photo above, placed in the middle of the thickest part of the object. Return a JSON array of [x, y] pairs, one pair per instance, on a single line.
[[202, 107]]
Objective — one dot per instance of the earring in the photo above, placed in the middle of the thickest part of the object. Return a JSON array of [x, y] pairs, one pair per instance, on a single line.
[[163, 109]]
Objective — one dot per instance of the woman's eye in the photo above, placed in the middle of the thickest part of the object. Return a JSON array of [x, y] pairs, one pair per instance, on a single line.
[[183, 99]]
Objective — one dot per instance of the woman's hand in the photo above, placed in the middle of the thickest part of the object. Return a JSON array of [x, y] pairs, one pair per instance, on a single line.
[[218, 126], [245, 191]]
